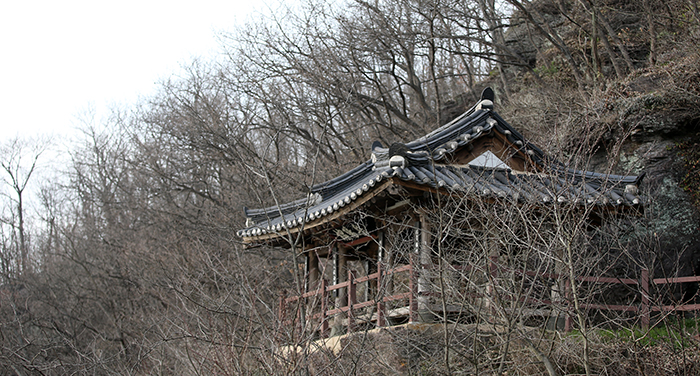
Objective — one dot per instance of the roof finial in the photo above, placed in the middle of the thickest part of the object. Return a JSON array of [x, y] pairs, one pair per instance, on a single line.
[[487, 93], [398, 148], [486, 102]]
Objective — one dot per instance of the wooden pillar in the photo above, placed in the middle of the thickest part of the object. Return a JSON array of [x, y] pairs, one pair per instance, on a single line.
[[324, 308], [307, 261], [389, 263], [413, 287], [424, 269], [335, 279], [311, 284], [380, 247], [644, 310], [313, 270], [352, 299], [339, 276], [380, 280], [380, 296], [369, 269], [340, 273]]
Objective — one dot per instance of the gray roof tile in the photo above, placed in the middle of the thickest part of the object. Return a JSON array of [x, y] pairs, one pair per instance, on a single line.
[[560, 184]]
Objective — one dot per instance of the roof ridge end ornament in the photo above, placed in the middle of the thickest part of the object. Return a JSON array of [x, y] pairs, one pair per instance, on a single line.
[[398, 148], [485, 105], [487, 99], [488, 93], [397, 161]]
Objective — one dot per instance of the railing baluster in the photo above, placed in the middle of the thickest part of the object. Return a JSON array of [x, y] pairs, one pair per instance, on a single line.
[[287, 316], [645, 299]]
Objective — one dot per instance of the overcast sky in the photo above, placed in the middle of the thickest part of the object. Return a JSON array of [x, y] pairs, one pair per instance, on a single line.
[[62, 57]]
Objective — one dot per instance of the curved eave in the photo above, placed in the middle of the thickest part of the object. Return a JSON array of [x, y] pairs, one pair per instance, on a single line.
[[602, 177], [415, 166], [518, 187], [315, 219], [483, 121], [343, 196], [436, 146], [477, 182]]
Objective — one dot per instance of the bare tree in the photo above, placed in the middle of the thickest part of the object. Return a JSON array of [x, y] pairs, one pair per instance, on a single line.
[[20, 160]]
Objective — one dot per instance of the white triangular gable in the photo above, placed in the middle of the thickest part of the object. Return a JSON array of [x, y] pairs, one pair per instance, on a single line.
[[488, 159]]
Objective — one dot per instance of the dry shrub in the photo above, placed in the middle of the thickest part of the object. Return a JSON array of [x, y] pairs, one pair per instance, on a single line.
[[622, 357]]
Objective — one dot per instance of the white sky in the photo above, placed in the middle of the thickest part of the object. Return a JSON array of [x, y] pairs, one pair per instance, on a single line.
[[58, 58]]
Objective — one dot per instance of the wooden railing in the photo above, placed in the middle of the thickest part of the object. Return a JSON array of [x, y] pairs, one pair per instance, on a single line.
[[644, 309], [322, 294]]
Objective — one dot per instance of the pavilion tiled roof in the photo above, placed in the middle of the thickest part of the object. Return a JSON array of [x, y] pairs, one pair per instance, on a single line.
[[425, 162]]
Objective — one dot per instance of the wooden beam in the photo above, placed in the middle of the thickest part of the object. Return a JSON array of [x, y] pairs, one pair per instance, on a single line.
[[362, 240]]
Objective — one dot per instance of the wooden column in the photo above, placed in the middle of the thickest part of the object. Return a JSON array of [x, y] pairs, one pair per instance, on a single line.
[[644, 309], [413, 287], [311, 284], [369, 269], [313, 270], [352, 299], [380, 296], [389, 263], [339, 276], [341, 272], [306, 271], [380, 280], [424, 269], [324, 308], [335, 279]]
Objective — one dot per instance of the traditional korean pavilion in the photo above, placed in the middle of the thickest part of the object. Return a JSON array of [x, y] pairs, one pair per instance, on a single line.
[[478, 155]]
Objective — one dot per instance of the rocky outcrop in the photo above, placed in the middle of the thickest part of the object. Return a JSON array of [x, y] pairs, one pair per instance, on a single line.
[[648, 122], [571, 22], [656, 111]]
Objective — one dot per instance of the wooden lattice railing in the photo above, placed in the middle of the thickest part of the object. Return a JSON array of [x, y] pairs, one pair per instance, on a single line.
[[322, 294]]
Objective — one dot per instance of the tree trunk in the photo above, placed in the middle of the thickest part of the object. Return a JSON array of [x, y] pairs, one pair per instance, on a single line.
[[543, 27]]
